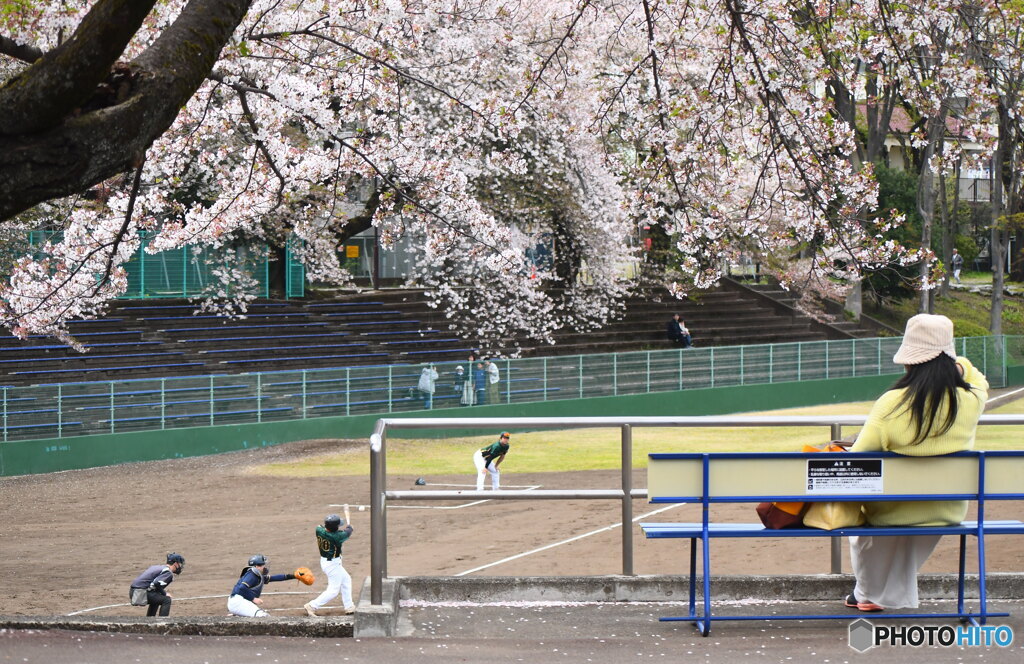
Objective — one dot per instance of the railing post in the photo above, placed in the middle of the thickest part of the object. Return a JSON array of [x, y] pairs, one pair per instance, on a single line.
[[259, 397], [305, 407], [5, 413], [377, 544], [111, 406], [163, 404], [648, 371], [60, 411], [826, 359], [211, 401], [580, 363], [391, 385], [680, 352], [741, 364], [771, 364], [615, 374], [836, 543], [712, 372], [348, 390], [799, 359], [544, 384], [627, 500], [508, 381]]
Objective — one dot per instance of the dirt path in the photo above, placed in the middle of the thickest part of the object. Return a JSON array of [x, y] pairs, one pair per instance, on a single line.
[[74, 540]]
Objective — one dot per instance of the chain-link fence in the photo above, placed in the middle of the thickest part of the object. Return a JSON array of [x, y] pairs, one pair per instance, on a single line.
[[72, 409]]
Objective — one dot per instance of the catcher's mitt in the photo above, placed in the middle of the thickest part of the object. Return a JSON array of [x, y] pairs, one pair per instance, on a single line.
[[303, 574]]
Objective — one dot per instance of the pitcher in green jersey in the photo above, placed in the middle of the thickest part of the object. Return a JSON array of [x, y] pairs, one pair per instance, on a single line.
[[487, 460]]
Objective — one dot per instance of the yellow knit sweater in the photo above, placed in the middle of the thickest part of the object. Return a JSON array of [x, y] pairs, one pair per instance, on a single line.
[[894, 432]]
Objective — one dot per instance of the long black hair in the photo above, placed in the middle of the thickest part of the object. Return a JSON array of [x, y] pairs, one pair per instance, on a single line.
[[926, 384]]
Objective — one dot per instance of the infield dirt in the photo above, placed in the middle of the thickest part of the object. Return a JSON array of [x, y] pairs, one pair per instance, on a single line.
[[73, 541]]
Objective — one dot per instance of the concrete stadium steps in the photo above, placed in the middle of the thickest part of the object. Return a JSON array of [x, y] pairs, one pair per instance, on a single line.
[[392, 326]]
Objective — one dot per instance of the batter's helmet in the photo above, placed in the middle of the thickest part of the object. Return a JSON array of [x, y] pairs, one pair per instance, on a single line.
[[258, 559], [332, 522]]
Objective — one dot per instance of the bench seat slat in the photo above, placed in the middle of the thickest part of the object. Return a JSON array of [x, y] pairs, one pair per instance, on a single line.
[[691, 530]]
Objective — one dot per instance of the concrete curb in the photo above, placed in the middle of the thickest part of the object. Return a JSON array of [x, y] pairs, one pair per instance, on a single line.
[[383, 620], [818, 587], [205, 626]]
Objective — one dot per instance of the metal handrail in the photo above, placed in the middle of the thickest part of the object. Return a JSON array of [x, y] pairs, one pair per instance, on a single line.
[[379, 495]]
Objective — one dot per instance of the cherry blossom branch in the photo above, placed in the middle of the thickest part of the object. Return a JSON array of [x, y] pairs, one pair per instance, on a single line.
[[24, 52]]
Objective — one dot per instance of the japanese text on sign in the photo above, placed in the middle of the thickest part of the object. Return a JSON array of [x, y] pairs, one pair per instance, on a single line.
[[839, 476]]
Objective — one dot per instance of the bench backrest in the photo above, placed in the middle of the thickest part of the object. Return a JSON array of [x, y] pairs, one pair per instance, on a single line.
[[755, 477]]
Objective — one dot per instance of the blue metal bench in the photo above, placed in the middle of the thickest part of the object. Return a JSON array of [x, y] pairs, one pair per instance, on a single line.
[[27, 349], [393, 333], [86, 356], [141, 367], [261, 349], [707, 479], [295, 359], [179, 416], [421, 341], [344, 304], [390, 312], [382, 323], [221, 328], [268, 336]]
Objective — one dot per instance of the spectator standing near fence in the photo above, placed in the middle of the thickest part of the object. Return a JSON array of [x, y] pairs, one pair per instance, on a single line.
[[932, 409], [493, 379], [464, 387], [428, 380], [150, 588], [480, 383]]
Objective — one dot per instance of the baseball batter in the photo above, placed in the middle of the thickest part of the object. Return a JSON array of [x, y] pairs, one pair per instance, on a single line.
[[487, 460], [245, 596], [329, 538]]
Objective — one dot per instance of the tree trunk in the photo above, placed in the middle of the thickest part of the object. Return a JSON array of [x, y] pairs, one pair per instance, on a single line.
[[926, 199], [80, 151]]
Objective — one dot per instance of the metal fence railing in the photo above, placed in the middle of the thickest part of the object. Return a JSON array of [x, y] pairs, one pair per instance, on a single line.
[[73, 409], [625, 493]]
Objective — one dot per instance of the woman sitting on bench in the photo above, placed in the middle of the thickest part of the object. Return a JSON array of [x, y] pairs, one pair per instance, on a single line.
[[932, 409]]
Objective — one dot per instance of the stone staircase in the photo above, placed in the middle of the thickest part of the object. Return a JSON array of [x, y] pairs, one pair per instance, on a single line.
[[164, 338]]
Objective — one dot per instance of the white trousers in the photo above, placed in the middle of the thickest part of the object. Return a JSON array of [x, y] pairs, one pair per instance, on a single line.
[[240, 606], [886, 568], [338, 581], [478, 461]]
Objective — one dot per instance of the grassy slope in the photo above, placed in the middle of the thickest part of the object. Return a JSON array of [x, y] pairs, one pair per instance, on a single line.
[[598, 449], [958, 305]]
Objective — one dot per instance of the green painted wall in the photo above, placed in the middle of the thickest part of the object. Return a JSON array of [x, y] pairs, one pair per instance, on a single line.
[[44, 456]]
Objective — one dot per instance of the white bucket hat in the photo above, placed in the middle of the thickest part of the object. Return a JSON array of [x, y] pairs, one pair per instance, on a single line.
[[927, 336]]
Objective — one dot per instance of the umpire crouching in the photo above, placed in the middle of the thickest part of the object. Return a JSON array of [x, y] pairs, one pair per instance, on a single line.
[[150, 588]]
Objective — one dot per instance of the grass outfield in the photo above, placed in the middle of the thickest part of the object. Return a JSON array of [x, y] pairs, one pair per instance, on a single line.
[[598, 449]]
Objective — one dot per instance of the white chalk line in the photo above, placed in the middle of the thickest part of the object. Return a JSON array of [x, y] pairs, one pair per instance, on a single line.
[[565, 541], [611, 527], [1008, 394], [527, 487], [185, 599]]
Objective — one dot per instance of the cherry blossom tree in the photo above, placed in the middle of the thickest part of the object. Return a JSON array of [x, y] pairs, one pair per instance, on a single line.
[[472, 127]]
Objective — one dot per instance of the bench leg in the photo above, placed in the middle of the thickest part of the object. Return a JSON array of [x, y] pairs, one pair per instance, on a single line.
[[982, 592], [705, 624], [960, 578], [693, 576]]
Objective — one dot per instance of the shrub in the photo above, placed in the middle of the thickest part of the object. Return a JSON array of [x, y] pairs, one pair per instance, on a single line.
[[965, 328]]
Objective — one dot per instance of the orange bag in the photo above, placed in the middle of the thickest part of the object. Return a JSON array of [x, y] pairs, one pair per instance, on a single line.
[[776, 516]]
